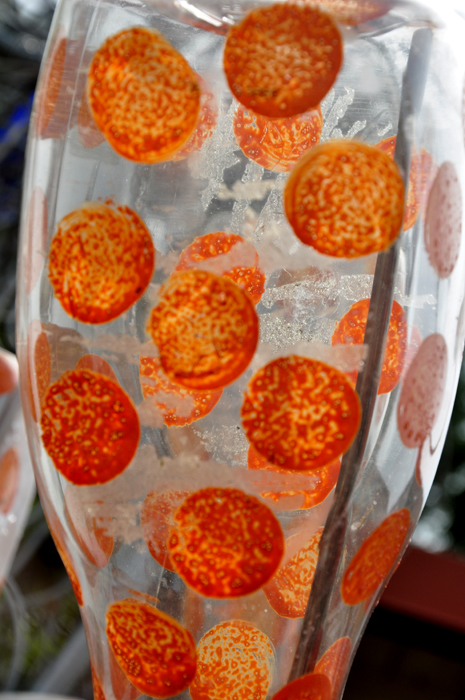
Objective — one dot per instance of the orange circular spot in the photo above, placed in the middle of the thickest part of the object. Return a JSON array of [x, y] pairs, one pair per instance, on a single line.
[[122, 688], [49, 88], [351, 331], [89, 135], [289, 589], [90, 427], [97, 687], [234, 660], [178, 405], [101, 262], [143, 95], [206, 330], [8, 372], [97, 364], [300, 414], [292, 494], [281, 60], [156, 519], [39, 364], [443, 221], [225, 543], [422, 391], [314, 686], [345, 199], [205, 125], [334, 664], [375, 558], [355, 12], [421, 174], [276, 144], [9, 478], [227, 255], [155, 652], [36, 232], [89, 530]]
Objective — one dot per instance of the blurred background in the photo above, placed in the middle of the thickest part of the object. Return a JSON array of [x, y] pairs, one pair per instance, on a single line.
[[414, 646]]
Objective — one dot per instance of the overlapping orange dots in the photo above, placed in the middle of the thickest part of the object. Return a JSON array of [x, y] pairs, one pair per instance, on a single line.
[[289, 589], [206, 123], [90, 427], [351, 331], [225, 543], [443, 221], [277, 144], [281, 60], [299, 413], [314, 686], [39, 364], [421, 173], [101, 262], [96, 364], [89, 530], [143, 95], [292, 493], [354, 12], [334, 664], [375, 558], [345, 199], [156, 518], [206, 330], [234, 660], [49, 88], [227, 255], [9, 478], [155, 652], [422, 391], [178, 405]]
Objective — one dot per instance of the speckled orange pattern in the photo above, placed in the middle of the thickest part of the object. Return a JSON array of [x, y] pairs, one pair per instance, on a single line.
[[225, 543], [96, 685], [281, 60], [300, 413], [143, 95], [205, 125], [345, 199], [234, 660], [314, 686], [353, 12], [443, 221], [155, 652], [156, 519], [96, 364], [206, 330], [90, 427]]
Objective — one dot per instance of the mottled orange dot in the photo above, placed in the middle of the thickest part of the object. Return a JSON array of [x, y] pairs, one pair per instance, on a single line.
[[156, 519], [281, 60], [39, 365], [314, 686], [296, 492], [345, 199], [101, 262], [96, 364], [334, 664], [234, 660], [97, 687], [90, 427], [179, 406], [143, 95], [299, 413], [227, 255], [90, 531], [206, 330], [351, 331], [289, 589], [8, 372], [155, 652], [225, 543], [277, 144], [9, 478], [50, 83], [375, 558], [354, 12], [443, 221], [122, 688], [206, 123]]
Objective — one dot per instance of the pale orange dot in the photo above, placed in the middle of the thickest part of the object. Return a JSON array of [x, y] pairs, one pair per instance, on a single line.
[[89, 134], [9, 478], [156, 519], [335, 663], [36, 231], [8, 372], [50, 83], [39, 367], [96, 364], [89, 531], [205, 125]]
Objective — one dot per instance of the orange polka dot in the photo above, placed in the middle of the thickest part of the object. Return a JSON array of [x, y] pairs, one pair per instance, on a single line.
[[49, 86], [300, 413], [351, 331], [156, 519], [122, 688], [101, 262], [225, 543], [281, 60], [9, 478], [155, 652], [289, 589], [375, 558], [354, 12], [206, 330], [314, 686], [96, 364], [97, 687], [443, 221], [90, 427], [227, 255], [276, 144], [334, 664], [178, 405], [88, 530], [39, 364], [8, 372], [206, 123], [36, 232], [234, 660], [345, 199], [136, 73]]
